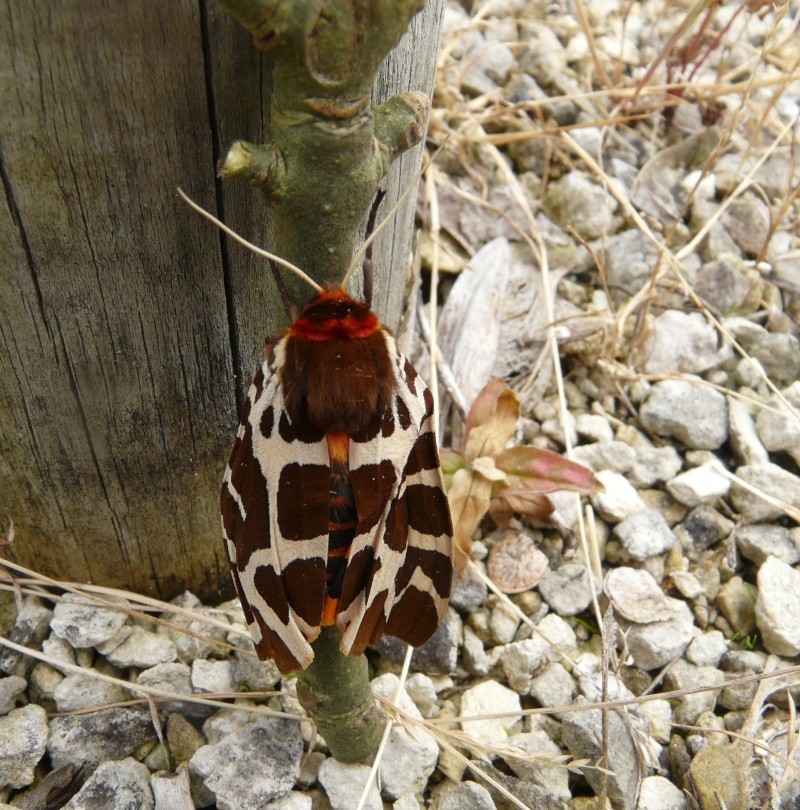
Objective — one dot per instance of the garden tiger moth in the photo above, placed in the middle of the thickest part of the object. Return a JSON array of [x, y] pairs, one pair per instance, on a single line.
[[333, 504]]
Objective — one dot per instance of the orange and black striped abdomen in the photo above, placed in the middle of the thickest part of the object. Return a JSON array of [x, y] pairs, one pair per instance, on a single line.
[[342, 522]]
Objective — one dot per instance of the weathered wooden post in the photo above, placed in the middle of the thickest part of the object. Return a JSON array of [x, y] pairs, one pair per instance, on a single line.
[[128, 327]]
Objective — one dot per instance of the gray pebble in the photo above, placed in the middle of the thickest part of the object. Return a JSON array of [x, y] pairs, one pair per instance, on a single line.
[[645, 534], [771, 479], [98, 736], [23, 740], [778, 607], [694, 414], [84, 623], [759, 541], [250, 767], [684, 342], [10, 688], [344, 784], [123, 785], [467, 796], [29, 630], [568, 589]]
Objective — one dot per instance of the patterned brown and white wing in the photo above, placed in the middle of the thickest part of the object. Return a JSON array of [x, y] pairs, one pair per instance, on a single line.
[[399, 571], [274, 504]]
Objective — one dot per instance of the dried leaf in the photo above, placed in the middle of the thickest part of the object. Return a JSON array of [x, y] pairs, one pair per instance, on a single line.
[[485, 404], [545, 471], [500, 512], [469, 497], [485, 466], [515, 564], [493, 423], [526, 502]]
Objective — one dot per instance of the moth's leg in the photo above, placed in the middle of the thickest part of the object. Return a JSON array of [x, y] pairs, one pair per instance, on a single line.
[[289, 306], [368, 268]]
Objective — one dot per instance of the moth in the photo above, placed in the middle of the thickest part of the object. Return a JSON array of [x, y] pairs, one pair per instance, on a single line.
[[333, 503]]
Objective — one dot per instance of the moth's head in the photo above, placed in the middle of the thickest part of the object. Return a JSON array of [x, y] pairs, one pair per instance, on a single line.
[[334, 315]]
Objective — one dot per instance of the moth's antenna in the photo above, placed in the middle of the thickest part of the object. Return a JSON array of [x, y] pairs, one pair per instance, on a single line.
[[388, 218], [242, 241]]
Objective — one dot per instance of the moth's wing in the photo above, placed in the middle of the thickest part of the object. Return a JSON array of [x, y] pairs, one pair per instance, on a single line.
[[399, 569], [275, 503]]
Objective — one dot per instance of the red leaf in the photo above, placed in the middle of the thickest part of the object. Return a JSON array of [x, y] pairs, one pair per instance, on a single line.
[[545, 471]]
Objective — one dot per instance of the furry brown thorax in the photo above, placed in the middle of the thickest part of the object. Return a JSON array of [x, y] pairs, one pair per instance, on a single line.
[[337, 375]]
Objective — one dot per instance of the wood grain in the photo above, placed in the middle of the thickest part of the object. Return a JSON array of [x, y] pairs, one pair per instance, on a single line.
[[116, 363]]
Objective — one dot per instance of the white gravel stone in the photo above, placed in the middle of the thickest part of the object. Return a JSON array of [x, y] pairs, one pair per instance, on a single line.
[[683, 675], [344, 784], [105, 647], [552, 777], [618, 499], [474, 654], [467, 796], [703, 484], [658, 714], [606, 455], [645, 534], [653, 645], [593, 427], [225, 722], [10, 688], [771, 479], [84, 623], [492, 698], [58, 649], [706, 649], [122, 785], [577, 201], [778, 352], [778, 607], [411, 756], [630, 258], [23, 740], [694, 414], [553, 686], [636, 595], [568, 590], [252, 766], [759, 541], [421, 690], [684, 342], [407, 802], [583, 735], [522, 659], [687, 584], [143, 649], [590, 680], [82, 691], [291, 801], [190, 647], [653, 465], [658, 793], [175, 678], [503, 624], [781, 431], [212, 676], [745, 444], [29, 630]]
